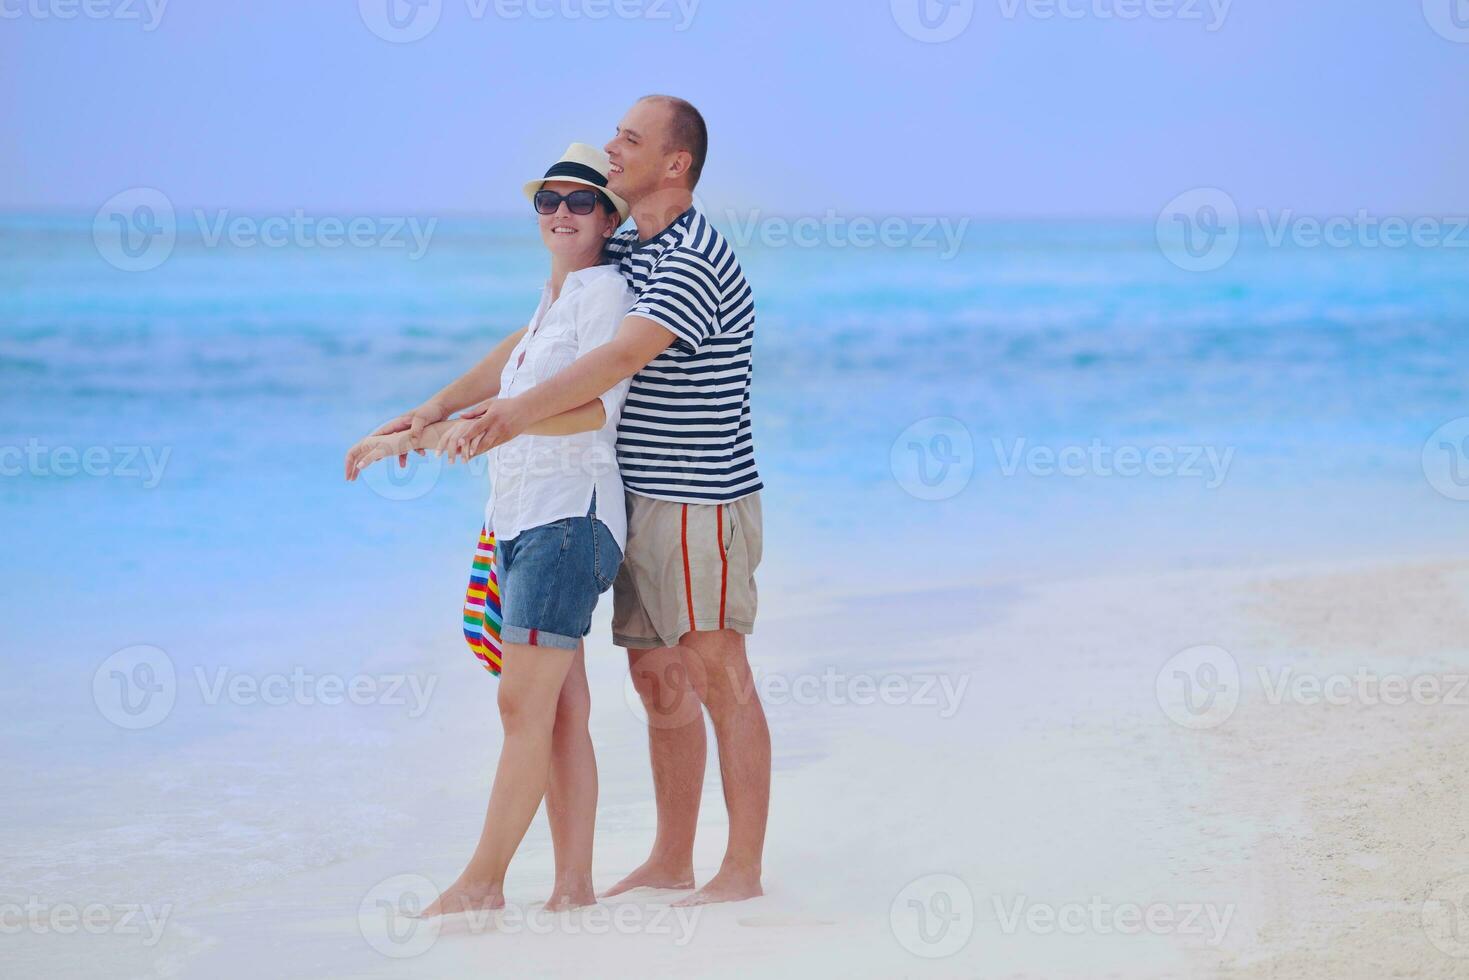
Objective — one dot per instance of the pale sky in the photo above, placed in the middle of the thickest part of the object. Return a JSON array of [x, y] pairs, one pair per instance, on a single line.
[[1315, 105]]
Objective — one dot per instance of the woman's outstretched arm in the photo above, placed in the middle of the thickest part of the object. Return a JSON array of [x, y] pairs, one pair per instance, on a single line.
[[583, 418]]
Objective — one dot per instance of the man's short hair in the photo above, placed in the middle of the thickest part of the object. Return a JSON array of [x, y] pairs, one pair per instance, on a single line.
[[686, 131]]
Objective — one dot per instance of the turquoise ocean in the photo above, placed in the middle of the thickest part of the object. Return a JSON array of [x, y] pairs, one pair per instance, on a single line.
[[173, 445]]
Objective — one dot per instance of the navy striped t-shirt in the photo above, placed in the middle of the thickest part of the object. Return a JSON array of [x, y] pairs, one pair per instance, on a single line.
[[685, 429]]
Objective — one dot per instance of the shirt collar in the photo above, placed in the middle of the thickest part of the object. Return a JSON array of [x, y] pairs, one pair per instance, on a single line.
[[579, 278], [662, 236]]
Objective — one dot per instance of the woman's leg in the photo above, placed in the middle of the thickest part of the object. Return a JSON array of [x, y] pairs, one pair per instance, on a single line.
[[530, 686], [571, 796]]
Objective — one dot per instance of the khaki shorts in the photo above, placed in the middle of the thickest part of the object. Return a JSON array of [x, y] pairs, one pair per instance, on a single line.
[[686, 567]]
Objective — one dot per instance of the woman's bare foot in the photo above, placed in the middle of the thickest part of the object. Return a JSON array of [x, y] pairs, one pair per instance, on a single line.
[[654, 874], [561, 901], [466, 896], [572, 891], [730, 885]]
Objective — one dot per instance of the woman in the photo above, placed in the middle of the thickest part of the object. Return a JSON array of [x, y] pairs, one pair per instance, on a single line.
[[558, 518]]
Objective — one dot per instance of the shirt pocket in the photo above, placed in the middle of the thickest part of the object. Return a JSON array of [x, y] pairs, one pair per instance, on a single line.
[[554, 350]]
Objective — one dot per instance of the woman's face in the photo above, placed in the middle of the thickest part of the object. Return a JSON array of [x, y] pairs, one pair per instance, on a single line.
[[579, 237]]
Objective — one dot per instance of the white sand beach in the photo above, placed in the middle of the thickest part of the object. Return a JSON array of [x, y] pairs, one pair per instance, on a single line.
[[1000, 785]]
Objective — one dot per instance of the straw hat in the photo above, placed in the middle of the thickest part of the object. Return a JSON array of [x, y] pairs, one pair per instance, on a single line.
[[581, 164]]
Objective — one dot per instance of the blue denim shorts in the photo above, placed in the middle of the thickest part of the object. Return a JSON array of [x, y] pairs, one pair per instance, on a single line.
[[550, 578]]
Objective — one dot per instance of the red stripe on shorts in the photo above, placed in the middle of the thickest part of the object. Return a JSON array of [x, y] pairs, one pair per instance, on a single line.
[[688, 578], [533, 637], [723, 561]]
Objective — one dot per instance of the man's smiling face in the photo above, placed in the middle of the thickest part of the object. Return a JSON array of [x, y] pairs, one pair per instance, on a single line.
[[638, 151]]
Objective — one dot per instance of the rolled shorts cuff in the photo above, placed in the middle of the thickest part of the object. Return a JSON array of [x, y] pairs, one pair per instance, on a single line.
[[537, 638]]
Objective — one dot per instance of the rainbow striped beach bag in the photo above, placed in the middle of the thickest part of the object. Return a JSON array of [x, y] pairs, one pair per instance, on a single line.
[[482, 605]]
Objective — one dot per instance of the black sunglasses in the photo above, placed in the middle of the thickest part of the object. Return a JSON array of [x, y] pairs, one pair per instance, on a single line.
[[579, 202]]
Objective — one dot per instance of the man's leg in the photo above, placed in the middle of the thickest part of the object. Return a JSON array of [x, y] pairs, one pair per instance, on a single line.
[[728, 688], [677, 748]]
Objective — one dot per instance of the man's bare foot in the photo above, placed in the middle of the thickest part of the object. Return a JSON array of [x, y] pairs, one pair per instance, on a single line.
[[654, 874], [466, 896], [730, 885]]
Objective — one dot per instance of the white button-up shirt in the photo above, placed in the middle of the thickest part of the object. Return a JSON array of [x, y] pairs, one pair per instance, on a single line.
[[539, 479]]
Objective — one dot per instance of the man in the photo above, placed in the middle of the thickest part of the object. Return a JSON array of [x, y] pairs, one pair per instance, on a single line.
[[685, 597]]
